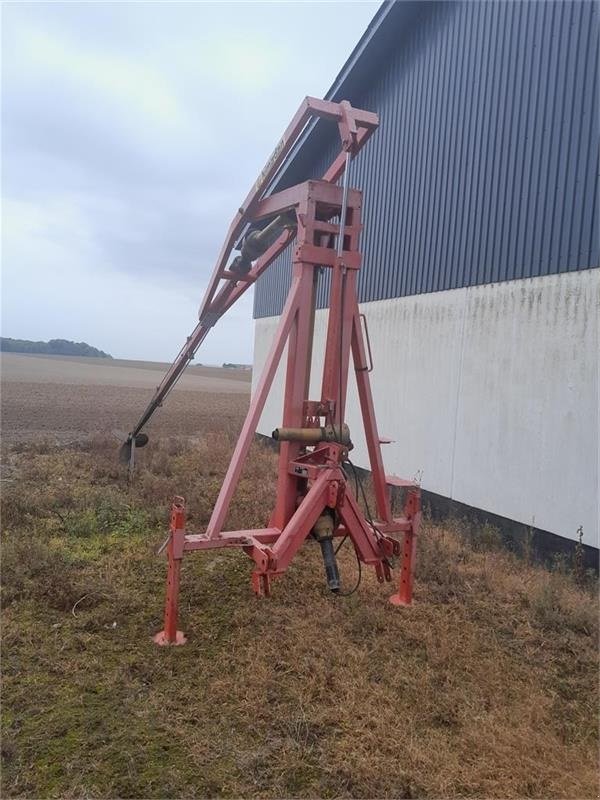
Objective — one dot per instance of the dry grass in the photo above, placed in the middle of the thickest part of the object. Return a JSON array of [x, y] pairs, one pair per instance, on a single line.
[[486, 687]]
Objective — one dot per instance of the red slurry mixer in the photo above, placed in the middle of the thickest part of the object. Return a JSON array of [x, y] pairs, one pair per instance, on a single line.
[[314, 497]]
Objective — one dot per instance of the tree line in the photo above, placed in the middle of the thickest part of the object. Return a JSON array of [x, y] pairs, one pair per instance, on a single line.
[[54, 347]]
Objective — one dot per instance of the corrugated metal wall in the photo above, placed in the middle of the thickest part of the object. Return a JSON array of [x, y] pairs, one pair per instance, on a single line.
[[485, 165]]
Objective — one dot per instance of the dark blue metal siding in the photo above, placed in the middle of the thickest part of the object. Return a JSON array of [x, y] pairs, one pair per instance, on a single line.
[[485, 165]]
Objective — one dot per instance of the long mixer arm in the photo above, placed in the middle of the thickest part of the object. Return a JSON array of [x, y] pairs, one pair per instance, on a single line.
[[260, 247]]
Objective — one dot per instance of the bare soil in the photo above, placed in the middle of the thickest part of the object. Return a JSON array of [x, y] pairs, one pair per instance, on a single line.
[[66, 399], [17, 364]]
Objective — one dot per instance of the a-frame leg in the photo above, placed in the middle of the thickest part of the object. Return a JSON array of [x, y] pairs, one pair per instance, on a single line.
[[370, 550], [236, 464], [384, 511], [296, 392], [169, 634], [303, 520]]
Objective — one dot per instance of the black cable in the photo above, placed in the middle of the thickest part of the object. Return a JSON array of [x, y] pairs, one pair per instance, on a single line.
[[366, 502], [339, 547], [347, 461], [359, 578], [378, 534]]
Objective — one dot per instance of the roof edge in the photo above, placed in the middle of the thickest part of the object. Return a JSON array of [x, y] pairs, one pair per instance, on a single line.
[[372, 28], [337, 90]]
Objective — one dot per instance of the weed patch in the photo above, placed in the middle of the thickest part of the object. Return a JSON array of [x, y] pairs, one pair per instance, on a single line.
[[485, 687]]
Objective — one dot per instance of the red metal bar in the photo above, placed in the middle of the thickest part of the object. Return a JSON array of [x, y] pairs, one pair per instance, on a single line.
[[365, 397], [170, 635], [199, 541], [339, 338], [314, 189], [310, 107], [311, 479], [296, 390], [368, 546], [336, 170], [412, 510], [301, 523], [183, 358], [279, 201], [217, 519], [356, 126]]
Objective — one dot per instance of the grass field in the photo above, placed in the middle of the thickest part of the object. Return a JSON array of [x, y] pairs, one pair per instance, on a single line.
[[487, 687]]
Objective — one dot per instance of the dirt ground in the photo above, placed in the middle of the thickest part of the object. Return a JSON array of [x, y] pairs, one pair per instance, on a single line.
[[485, 688], [21, 368], [65, 399]]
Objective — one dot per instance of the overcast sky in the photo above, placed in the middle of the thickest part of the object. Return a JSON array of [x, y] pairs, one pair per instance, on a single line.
[[131, 133]]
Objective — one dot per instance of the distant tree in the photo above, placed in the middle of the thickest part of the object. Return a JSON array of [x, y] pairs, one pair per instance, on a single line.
[[54, 347]]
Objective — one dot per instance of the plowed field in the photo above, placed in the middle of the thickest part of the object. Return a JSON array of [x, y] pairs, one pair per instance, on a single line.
[[65, 399]]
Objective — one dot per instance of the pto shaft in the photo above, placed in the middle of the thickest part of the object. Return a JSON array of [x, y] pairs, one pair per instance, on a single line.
[[323, 533], [258, 242], [329, 433]]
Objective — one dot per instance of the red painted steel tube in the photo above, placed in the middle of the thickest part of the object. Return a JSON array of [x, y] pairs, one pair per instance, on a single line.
[[368, 546], [199, 541], [367, 408], [256, 407], [359, 125], [300, 525], [312, 488], [297, 384], [310, 107], [170, 635], [338, 341], [184, 357], [412, 510], [405, 585]]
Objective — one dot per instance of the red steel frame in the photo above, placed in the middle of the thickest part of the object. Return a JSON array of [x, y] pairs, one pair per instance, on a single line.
[[311, 479]]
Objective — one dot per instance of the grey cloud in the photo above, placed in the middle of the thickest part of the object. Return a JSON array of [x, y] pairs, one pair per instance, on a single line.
[[155, 175]]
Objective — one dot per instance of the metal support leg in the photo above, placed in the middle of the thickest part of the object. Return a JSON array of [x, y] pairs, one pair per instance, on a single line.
[[215, 524], [367, 408], [261, 584], [131, 465], [170, 635], [412, 511]]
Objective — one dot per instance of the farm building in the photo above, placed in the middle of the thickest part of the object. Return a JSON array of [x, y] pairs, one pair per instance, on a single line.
[[480, 279]]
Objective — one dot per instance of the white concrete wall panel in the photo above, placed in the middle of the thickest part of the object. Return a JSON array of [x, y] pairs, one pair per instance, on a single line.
[[490, 393], [527, 423]]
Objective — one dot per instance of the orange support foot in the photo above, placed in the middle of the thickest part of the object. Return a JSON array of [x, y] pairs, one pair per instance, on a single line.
[[161, 639], [405, 587], [170, 635], [261, 585], [412, 511]]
